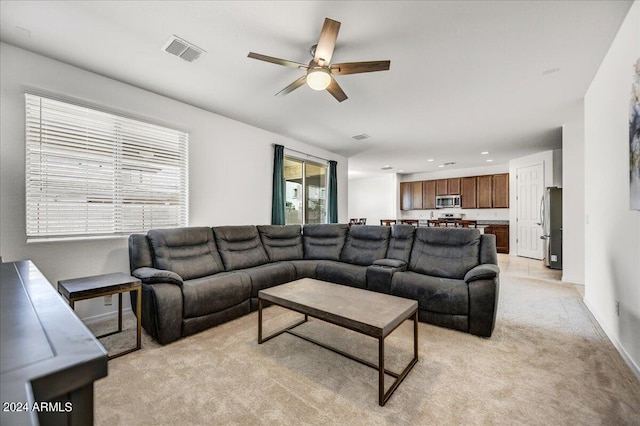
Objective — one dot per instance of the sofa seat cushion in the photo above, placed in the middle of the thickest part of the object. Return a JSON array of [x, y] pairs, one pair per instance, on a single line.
[[189, 252], [215, 293], [306, 268], [342, 273], [324, 242], [435, 294], [282, 242], [445, 252], [270, 275], [365, 244], [240, 247]]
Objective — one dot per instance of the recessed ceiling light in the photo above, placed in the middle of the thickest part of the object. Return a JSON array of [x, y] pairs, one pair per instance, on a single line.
[[361, 137], [23, 32], [441, 165], [489, 160], [484, 152], [386, 167], [401, 171], [550, 71], [430, 159]]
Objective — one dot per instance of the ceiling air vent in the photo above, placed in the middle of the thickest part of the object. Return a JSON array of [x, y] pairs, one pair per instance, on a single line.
[[361, 137], [182, 49]]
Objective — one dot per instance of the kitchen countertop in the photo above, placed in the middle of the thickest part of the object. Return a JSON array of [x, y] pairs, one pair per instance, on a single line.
[[492, 222], [481, 223]]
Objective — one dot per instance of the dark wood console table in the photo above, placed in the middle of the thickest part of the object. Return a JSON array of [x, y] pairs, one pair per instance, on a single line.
[[48, 358]]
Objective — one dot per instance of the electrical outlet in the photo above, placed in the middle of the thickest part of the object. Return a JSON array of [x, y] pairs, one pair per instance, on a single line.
[[617, 308], [554, 258], [108, 300]]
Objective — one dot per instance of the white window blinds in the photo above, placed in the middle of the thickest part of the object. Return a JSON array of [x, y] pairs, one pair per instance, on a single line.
[[90, 173]]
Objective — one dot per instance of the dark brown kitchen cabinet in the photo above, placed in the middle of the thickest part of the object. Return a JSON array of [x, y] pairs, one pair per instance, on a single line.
[[502, 236], [476, 192], [406, 199], [416, 195], [485, 191], [411, 195], [429, 194], [454, 186], [468, 193], [442, 187], [500, 194]]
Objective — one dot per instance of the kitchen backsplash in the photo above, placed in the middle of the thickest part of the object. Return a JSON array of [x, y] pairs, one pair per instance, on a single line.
[[469, 214]]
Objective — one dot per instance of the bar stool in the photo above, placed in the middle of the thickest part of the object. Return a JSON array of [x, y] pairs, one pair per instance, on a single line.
[[387, 222]]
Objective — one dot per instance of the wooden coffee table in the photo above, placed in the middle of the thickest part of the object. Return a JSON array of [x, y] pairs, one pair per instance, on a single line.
[[373, 314]]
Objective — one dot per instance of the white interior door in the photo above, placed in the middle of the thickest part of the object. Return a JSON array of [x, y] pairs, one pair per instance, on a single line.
[[530, 187]]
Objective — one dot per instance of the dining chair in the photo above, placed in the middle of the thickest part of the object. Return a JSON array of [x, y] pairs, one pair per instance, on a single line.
[[387, 222]]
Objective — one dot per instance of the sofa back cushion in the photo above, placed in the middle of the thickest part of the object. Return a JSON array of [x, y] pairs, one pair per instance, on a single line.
[[365, 244], [189, 252], [324, 241], [240, 247], [282, 242], [445, 252], [401, 242]]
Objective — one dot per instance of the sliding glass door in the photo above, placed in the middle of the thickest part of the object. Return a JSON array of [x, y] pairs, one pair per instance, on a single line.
[[306, 191]]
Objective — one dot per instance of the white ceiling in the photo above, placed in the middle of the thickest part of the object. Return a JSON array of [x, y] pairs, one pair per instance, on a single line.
[[465, 77]]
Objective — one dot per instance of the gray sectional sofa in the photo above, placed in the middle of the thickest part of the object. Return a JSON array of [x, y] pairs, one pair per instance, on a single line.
[[197, 277]]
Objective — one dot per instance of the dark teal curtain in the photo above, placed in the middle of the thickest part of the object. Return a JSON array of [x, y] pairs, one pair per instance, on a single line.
[[277, 200], [332, 203]]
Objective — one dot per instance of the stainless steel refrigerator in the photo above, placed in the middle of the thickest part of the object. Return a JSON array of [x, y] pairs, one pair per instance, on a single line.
[[551, 214]]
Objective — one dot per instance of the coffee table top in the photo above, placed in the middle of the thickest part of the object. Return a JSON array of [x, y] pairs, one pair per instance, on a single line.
[[368, 312]]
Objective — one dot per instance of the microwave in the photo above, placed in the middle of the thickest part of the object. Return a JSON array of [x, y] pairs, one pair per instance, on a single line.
[[447, 201]]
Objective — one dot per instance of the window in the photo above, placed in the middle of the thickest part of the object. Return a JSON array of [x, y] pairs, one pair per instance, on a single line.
[[90, 173], [306, 191]]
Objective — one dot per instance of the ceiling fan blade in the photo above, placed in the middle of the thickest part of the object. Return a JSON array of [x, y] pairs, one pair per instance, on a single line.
[[335, 89], [277, 61], [326, 42], [293, 86], [359, 67]]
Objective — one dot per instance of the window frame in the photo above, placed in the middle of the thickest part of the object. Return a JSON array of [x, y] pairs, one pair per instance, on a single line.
[[144, 162], [304, 187]]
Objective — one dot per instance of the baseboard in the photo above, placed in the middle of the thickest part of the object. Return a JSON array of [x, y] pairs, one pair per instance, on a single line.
[[623, 353], [569, 279], [106, 316]]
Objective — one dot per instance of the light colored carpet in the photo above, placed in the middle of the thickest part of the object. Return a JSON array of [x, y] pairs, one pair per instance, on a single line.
[[548, 362]]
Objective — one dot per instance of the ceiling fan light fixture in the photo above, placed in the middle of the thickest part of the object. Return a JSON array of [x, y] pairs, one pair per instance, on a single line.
[[318, 78]]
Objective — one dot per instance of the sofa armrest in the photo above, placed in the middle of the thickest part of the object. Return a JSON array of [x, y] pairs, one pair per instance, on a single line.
[[156, 276], [380, 273], [391, 263], [486, 271]]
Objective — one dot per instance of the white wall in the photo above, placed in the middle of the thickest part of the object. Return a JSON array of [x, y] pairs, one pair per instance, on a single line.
[[230, 165], [612, 230], [573, 202], [373, 198]]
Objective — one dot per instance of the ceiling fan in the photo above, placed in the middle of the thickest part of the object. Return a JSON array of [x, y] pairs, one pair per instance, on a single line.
[[320, 70]]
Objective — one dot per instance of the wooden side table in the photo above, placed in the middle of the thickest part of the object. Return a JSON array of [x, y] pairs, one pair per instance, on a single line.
[[105, 285]]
